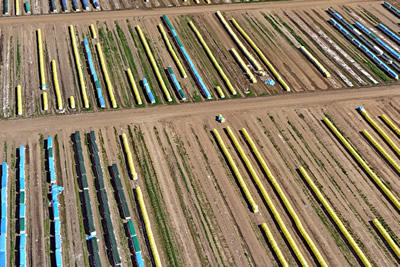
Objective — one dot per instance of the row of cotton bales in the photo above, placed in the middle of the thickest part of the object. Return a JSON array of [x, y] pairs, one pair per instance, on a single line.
[[22, 221], [94, 74], [125, 214], [103, 200], [86, 205], [3, 219], [391, 8], [366, 47]]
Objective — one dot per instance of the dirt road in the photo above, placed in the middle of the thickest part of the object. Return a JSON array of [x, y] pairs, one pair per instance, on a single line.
[[168, 11], [45, 123]]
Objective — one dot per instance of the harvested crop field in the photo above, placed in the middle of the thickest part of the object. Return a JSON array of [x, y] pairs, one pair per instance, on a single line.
[[141, 138]]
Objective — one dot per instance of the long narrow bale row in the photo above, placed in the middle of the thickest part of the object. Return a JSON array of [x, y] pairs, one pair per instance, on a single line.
[[105, 72], [134, 87], [56, 85], [196, 74], [19, 100], [213, 59], [72, 102], [315, 61], [387, 237], [45, 101], [274, 245], [79, 67], [381, 150], [5, 7], [270, 205], [50, 160], [22, 219], [17, 12], [93, 31], [129, 159], [3, 220], [243, 65], [176, 84], [235, 169], [363, 164], [172, 51], [261, 55], [43, 85], [335, 218], [94, 74], [135, 243], [55, 191], [239, 43], [86, 203], [154, 64], [147, 224], [379, 130], [220, 92], [286, 202], [391, 8], [391, 124], [125, 214], [108, 228]]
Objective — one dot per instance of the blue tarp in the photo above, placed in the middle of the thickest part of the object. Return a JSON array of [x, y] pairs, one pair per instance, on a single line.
[[58, 258], [22, 241], [3, 258], [4, 195], [139, 259], [3, 244], [22, 210], [4, 210], [3, 226], [4, 174], [21, 172], [51, 164], [22, 184], [57, 226], [49, 142], [55, 212], [22, 257], [58, 241], [52, 176]]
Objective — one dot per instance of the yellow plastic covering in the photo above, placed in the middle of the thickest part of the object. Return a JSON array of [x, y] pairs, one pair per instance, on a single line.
[[172, 51], [45, 101], [363, 164], [41, 61], [380, 131], [154, 64], [78, 67], [287, 204], [239, 43], [134, 87], [220, 92], [335, 218], [19, 100], [381, 150], [213, 59], [269, 202], [129, 157], [243, 66], [56, 85], [93, 30], [387, 237], [274, 245], [316, 62], [261, 55], [235, 169], [17, 8], [391, 124], [147, 225], [105, 72], [72, 102]]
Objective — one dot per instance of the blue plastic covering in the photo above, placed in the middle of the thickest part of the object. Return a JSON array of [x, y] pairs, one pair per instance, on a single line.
[[22, 241], [148, 91], [22, 184], [49, 142], [4, 175], [58, 258], [22, 210], [85, 4], [57, 226], [3, 226], [64, 5], [139, 259], [58, 241], [90, 237], [270, 82], [51, 164], [4, 210], [22, 257], [3, 258], [203, 87], [3, 244], [56, 212], [75, 5], [176, 83], [93, 72], [360, 108], [3, 195], [389, 33]]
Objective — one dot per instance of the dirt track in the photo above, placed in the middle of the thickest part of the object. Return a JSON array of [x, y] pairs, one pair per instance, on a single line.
[[169, 11], [10, 127]]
